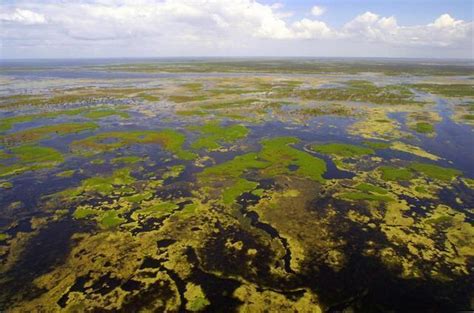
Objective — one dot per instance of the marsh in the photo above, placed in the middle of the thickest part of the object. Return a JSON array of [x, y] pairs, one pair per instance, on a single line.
[[236, 185]]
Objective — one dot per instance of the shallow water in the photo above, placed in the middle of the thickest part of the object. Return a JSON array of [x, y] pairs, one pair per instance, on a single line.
[[289, 237]]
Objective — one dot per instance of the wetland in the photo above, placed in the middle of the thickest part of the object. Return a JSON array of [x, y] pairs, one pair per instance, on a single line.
[[260, 185]]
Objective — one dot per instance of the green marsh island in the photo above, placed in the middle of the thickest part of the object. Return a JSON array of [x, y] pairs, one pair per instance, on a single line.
[[239, 185]]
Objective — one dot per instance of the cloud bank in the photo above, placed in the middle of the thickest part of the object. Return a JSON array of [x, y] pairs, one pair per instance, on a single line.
[[209, 27]]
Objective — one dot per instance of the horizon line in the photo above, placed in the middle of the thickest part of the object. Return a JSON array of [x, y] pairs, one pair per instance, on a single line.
[[237, 57]]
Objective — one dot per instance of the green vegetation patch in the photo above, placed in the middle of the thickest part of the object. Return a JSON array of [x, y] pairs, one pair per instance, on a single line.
[[423, 127], [148, 97], [230, 104], [281, 156], [448, 90], [233, 168], [191, 113], [365, 196], [9, 122], [242, 185], [111, 219], [174, 171], [275, 158], [169, 139], [367, 192], [435, 171], [155, 209], [362, 91], [183, 98], [193, 86], [126, 160], [342, 150], [213, 135], [84, 212], [68, 173], [329, 109], [98, 114], [196, 299], [376, 144], [29, 158], [104, 185], [6, 185], [371, 188], [44, 132], [393, 173]]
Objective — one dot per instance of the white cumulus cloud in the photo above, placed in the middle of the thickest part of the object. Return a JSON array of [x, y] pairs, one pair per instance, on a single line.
[[203, 26], [444, 31], [22, 16], [317, 10]]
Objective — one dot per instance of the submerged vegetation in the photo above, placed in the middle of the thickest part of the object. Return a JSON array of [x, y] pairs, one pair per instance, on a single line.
[[279, 192]]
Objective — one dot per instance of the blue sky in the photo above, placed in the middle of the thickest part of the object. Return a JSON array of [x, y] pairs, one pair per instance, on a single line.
[[149, 28]]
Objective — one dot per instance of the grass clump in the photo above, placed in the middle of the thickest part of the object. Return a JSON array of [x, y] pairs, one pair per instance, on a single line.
[[367, 192], [435, 171], [98, 114], [365, 196], [423, 127], [376, 145], [196, 300], [44, 132], [155, 209], [68, 173], [111, 219], [213, 135], [329, 109], [362, 91], [126, 160], [174, 171], [342, 150], [191, 113], [148, 97], [448, 90], [183, 98], [6, 185], [371, 188], [9, 122], [105, 185], [83, 212], [281, 156], [242, 185], [29, 158], [169, 139], [233, 168], [393, 173]]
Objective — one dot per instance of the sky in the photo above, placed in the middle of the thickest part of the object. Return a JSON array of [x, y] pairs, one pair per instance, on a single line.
[[172, 28]]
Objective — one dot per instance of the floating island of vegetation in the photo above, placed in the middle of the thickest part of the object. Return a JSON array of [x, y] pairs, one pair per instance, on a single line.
[[245, 187]]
